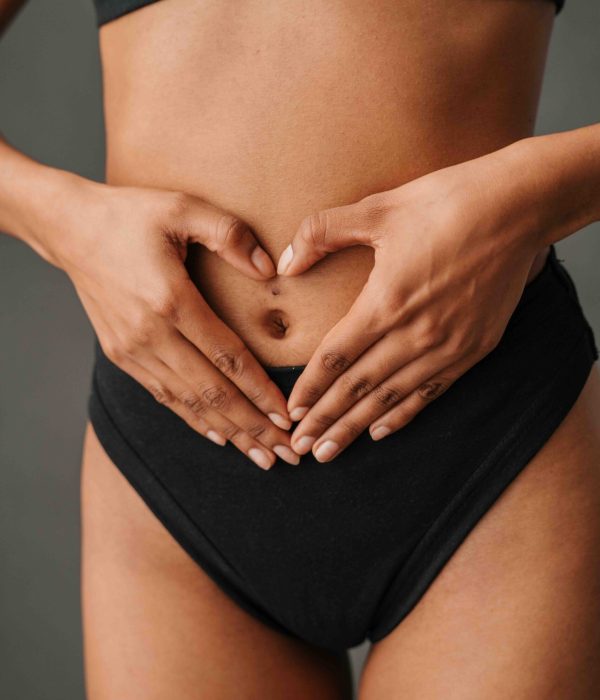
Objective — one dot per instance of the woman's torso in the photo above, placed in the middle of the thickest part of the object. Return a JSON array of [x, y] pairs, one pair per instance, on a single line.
[[273, 110]]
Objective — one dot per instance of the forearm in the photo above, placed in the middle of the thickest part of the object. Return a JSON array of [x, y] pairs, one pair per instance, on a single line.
[[559, 177], [33, 199]]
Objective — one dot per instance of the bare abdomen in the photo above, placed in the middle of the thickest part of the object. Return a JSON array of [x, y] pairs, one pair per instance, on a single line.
[[276, 110]]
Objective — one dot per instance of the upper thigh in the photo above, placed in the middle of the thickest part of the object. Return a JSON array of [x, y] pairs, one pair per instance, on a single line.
[[156, 626], [516, 611]]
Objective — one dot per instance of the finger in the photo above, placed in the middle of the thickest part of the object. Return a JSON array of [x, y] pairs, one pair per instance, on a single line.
[[157, 387], [216, 391], [327, 231], [227, 236], [403, 413], [377, 363], [342, 345], [382, 399], [168, 389], [221, 346]]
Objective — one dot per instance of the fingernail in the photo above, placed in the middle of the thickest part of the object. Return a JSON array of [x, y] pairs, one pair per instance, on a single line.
[[286, 454], [280, 421], [285, 259], [262, 262], [215, 437], [298, 413], [302, 445], [259, 457], [326, 450], [380, 432]]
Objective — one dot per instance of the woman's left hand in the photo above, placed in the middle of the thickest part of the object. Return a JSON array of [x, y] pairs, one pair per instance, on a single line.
[[453, 250]]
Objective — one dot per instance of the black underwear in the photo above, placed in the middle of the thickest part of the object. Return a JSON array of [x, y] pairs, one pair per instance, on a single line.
[[338, 552], [109, 10]]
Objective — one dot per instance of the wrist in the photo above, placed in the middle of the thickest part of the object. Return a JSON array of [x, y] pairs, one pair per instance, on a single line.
[[38, 202], [555, 180]]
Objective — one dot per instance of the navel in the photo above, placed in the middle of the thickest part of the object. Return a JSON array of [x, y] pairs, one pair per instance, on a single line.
[[276, 323]]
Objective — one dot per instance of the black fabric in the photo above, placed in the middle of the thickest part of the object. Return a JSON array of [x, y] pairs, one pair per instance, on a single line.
[[337, 552], [107, 10]]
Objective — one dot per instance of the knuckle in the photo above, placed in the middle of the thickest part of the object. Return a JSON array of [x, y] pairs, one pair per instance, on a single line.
[[357, 387], [160, 394], [334, 361], [323, 420], [229, 232], [381, 317], [313, 229], [488, 343], [232, 432], [113, 352], [192, 401], [429, 333], [432, 389], [428, 340], [215, 397], [456, 347], [140, 336], [129, 345], [386, 395], [256, 430], [226, 360], [165, 306]]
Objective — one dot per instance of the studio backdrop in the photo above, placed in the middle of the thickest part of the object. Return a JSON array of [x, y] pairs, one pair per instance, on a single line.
[[50, 108]]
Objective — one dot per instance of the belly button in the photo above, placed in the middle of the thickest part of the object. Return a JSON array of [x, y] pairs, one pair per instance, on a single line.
[[277, 323]]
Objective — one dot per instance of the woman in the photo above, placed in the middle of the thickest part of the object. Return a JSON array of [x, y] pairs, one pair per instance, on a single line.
[[334, 215]]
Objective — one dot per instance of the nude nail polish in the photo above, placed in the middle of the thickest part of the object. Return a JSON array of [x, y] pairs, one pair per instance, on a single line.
[[215, 437], [380, 432], [285, 259], [302, 445], [298, 413], [287, 454], [259, 457], [262, 262], [280, 421], [326, 450]]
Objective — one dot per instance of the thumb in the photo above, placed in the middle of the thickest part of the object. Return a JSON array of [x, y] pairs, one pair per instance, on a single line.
[[227, 236], [325, 232]]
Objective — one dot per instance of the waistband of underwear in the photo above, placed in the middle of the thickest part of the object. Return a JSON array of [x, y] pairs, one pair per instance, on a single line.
[[286, 375]]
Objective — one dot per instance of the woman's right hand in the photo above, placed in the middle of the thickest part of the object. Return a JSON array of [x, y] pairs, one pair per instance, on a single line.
[[124, 250]]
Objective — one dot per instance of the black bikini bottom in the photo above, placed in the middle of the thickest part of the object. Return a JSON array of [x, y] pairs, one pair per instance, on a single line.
[[337, 552]]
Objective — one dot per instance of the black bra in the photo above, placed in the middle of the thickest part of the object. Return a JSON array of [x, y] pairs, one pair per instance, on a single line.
[[107, 10]]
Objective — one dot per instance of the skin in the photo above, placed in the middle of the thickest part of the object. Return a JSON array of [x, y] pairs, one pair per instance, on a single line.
[[513, 614], [276, 116], [406, 338]]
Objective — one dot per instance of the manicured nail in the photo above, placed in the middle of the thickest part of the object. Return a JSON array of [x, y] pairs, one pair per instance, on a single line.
[[380, 432], [215, 437], [298, 413], [285, 259], [302, 445], [259, 457], [262, 262], [326, 450], [280, 421], [286, 454]]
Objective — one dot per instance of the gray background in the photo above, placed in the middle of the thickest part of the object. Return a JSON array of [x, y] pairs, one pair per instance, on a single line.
[[50, 107]]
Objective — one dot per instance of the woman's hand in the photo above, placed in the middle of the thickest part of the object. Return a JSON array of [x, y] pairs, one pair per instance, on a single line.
[[124, 249], [453, 250]]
